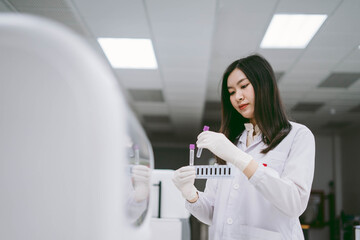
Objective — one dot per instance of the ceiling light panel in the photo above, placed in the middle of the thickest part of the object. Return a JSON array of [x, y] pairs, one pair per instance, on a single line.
[[292, 30], [134, 53]]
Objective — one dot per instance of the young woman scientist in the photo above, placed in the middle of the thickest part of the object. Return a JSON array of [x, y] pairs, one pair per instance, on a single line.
[[273, 160]]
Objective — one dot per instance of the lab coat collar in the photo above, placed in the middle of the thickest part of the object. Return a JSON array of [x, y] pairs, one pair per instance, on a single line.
[[250, 126], [243, 137]]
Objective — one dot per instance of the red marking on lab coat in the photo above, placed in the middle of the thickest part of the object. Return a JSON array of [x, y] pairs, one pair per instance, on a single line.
[[265, 165]]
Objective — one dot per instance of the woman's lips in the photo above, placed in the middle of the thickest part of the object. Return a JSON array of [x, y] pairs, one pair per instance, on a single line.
[[243, 106]]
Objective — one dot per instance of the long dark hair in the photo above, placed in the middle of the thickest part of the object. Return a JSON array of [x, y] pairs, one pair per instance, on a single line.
[[269, 112]]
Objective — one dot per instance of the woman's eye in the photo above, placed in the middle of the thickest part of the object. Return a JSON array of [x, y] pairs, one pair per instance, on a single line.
[[244, 86], [231, 93]]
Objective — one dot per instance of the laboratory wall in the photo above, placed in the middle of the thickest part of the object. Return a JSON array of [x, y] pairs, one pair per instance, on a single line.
[[351, 171], [323, 176], [172, 157], [178, 156]]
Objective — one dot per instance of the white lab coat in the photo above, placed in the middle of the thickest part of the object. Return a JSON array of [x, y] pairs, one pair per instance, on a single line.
[[268, 205]]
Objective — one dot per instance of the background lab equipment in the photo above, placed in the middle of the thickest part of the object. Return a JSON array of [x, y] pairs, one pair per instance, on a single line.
[[65, 129], [170, 219]]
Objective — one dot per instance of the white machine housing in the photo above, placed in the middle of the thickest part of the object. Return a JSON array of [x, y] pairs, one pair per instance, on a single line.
[[62, 131]]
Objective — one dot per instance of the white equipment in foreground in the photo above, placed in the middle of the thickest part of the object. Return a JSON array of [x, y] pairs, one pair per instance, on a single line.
[[170, 219], [62, 137], [357, 232]]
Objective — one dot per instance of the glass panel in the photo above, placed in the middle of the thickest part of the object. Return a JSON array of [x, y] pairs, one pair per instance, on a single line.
[[140, 161]]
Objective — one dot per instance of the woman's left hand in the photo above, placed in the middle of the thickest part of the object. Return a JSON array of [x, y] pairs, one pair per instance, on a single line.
[[217, 143], [221, 146]]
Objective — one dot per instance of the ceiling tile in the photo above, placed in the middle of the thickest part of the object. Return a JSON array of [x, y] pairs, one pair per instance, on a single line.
[[318, 7], [355, 109], [336, 125], [163, 119], [195, 41], [122, 19], [146, 95], [139, 79], [151, 108], [278, 75], [39, 4], [307, 107], [4, 7], [340, 80]]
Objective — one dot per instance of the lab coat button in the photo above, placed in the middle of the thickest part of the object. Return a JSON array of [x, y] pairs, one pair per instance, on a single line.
[[229, 221], [236, 186]]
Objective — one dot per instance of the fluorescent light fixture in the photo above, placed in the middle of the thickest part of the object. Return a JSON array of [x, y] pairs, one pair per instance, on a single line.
[[292, 30], [129, 52]]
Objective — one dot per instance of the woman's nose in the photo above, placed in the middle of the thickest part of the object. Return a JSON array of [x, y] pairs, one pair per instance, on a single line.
[[239, 96]]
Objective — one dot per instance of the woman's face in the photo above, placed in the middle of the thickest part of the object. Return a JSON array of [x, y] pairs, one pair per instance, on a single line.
[[242, 95]]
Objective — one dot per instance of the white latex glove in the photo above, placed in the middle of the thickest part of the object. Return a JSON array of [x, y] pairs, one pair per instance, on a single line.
[[221, 146], [184, 179], [141, 181]]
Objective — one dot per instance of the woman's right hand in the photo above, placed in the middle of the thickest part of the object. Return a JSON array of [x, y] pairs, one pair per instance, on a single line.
[[184, 179]]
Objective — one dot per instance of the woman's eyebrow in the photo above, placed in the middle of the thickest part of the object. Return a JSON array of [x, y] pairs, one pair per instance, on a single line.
[[238, 82]]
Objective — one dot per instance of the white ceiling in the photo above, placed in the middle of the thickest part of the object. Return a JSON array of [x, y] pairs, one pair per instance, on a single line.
[[195, 40]]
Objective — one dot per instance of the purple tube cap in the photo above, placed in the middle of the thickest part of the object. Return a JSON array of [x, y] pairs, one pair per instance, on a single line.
[[192, 146], [206, 128]]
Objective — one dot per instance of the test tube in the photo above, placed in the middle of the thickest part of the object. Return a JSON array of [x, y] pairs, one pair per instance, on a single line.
[[137, 154], [198, 153], [191, 157]]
